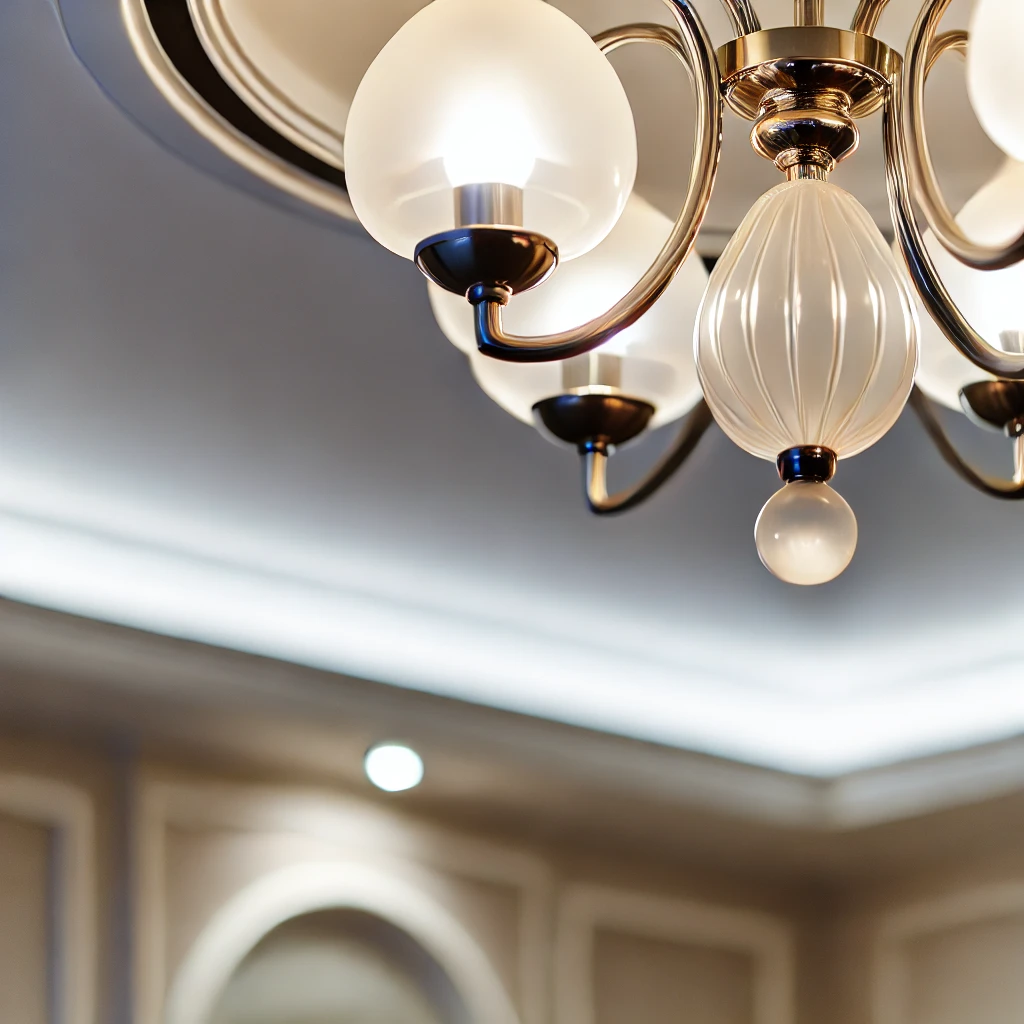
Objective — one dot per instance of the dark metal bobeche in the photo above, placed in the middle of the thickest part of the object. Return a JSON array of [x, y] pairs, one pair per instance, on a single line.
[[593, 423], [996, 405], [508, 260]]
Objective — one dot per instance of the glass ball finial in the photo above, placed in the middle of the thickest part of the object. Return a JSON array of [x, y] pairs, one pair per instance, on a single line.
[[806, 533]]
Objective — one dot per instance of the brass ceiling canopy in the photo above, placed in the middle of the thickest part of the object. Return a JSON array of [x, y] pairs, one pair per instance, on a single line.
[[807, 58], [805, 86]]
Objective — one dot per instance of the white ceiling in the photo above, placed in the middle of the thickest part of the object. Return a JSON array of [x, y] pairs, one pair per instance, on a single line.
[[233, 420]]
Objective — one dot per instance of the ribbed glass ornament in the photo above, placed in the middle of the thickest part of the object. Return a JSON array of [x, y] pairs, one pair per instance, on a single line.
[[807, 334]]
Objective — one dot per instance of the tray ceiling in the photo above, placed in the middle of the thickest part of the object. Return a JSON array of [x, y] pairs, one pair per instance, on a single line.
[[229, 416]]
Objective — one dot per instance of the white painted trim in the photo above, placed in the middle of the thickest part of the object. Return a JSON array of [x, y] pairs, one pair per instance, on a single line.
[[264, 809], [899, 929], [261, 94], [304, 888], [231, 142], [68, 813], [585, 909]]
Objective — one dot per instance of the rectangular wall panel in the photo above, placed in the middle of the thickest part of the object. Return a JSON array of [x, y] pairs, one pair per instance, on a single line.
[[655, 981], [972, 973], [25, 850]]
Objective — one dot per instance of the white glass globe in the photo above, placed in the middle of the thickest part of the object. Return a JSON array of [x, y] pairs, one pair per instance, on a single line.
[[490, 91], [995, 72], [992, 300], [807, 333], [806, 533], [653, 359]]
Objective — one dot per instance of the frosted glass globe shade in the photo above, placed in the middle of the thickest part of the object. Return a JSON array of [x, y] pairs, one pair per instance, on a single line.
[[490, 91], [992, 300], [806, 533], [807, 333], [653, 357], [995, 72]]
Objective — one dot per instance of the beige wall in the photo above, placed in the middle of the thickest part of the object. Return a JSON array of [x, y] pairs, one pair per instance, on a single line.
[[530, 933], [24, 920]]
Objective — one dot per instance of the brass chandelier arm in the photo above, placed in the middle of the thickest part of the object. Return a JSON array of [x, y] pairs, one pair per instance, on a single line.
[[992, 486], [934, 295], [595, 468], [808, 12], [695, 51], [611, 39], [867, 16], [922, 53], [743, 17], [955, 41]]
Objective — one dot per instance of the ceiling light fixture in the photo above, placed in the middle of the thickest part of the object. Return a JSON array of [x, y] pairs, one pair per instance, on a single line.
[[393, 767], [491, 142]]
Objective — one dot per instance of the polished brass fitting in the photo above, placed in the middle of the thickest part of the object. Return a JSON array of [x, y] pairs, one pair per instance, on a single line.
[[804, 87], [799, 129]]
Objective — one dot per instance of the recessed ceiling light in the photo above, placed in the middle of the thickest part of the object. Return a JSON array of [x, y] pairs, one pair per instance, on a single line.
[[393, 767]]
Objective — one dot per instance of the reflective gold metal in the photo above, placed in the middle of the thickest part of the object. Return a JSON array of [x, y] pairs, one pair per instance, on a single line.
[[805, 129], [693, 48], [867, 16], [741, 14], [802, 172], [807, 59], [808, 12], [924, 49]]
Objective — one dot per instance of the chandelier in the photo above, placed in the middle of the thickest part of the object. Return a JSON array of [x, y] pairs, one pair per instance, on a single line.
[[492, 143]]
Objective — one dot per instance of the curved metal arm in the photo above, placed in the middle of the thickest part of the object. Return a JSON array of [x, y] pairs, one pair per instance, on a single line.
[[934, 295], [694, 49], [808, 12], [867, 16], [741, 14], [922, 52], [595, 468], [993, 486]]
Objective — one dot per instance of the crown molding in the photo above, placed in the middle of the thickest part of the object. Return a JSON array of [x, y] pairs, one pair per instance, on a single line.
[[176, 691]]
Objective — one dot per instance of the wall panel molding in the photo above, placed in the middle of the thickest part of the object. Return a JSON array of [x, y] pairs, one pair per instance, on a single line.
[[69, 815], [900, 929], [585, 909], [354, 878]]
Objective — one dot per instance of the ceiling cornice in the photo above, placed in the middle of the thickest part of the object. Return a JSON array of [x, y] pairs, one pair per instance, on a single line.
[[114, 678]]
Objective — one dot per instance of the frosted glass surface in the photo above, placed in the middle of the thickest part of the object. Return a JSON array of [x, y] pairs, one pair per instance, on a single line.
[[478, 91], [657, 356], [806, 533], [807, 334], [992, 300], [995, 72]]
